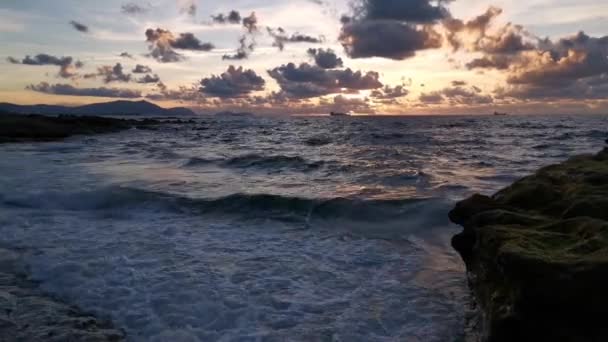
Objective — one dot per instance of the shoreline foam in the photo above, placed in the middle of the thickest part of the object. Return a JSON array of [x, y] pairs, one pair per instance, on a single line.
[[28, 314]]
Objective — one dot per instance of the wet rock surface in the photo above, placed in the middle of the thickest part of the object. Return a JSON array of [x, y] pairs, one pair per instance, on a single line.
[[27, 314], [20, 128], [537, 255]]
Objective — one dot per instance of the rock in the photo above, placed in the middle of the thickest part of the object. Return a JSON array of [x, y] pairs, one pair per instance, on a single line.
[[537, 255], [18, 128], [27, 314]]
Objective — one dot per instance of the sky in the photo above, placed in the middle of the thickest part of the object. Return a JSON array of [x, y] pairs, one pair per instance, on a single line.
[[310, 56]]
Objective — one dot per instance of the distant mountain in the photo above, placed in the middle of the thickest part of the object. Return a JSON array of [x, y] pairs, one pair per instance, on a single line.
[[107, 108]]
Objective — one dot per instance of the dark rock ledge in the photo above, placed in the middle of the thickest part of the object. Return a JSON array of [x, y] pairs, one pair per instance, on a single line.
[[27, 314], [537, 255], [23, 128]]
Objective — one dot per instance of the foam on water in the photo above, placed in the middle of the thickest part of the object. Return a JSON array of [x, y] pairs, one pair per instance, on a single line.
[[260, 229]]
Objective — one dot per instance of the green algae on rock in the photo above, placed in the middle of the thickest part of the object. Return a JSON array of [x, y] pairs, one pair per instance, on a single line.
[[537, 255]]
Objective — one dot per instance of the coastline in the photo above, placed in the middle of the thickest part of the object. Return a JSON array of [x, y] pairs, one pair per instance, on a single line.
[[28, 314], [15, 128], [536, 255]]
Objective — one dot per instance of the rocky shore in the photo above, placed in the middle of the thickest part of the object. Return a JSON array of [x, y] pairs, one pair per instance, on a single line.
[[537, 255], [20, 128], [27, 314]]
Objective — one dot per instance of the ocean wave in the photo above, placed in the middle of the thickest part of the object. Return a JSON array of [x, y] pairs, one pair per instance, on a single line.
[[256, 161], [318, 141], [261, 206]]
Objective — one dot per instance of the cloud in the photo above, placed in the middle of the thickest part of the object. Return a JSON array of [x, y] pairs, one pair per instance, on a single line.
[[66, 89], [187, 6], [389, 93], [251, 23], [459, 83], [326, 59], [561, 63], [66, 65], [141, 69], [457, 95], [189, 94], [391, 29], [233, 83], [415, 11], [342, 103], [134, 9], [233, 17], [149, 79], [307, 80], [499, 62], [281, 38], [162, 44], [387, 38], [113, 73], [187, 41], [126, 55], [477, 27], [79, 27], [243, 51]]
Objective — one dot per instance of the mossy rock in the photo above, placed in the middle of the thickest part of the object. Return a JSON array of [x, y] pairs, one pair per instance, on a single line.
[[537, 254]]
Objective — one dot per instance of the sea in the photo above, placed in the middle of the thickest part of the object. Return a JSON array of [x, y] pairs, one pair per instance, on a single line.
[[239, 228]]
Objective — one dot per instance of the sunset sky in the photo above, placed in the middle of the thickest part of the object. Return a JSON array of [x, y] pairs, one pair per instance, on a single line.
[[310, 56]]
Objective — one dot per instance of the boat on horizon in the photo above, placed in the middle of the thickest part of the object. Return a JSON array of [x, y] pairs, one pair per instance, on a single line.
[[500, 114]]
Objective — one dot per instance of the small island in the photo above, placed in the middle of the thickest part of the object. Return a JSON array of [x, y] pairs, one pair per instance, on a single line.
[[537, 255]]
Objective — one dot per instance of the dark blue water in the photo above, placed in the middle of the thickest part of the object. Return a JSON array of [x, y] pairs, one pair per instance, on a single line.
[[270, 229]]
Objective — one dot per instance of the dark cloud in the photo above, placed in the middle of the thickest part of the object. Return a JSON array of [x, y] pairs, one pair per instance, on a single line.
[[142, 69], [233, 83], [281, 38], [149, 79], [189, 94], [133, 9], [244, 50], [431, 98], [79, 27], [187, 41], [389, 93], [233, 17], [66, 65], [563, 62], [499, 48], [477, 27], [342, 103], [162, 44], [326, 59], [499, 62], [251, 23], [457, 96], [569, 68], [509, 40], [414, 11], [67, 89], [307, 80], [112, 73], [391, 29], [387, 38], [126, 55]]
